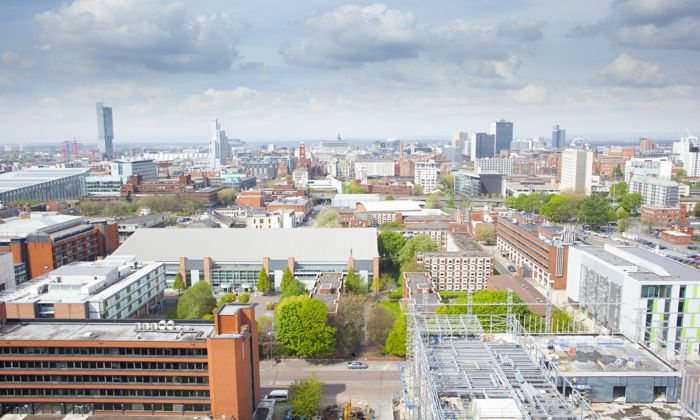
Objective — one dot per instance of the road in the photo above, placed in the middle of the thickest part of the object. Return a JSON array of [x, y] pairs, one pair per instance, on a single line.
[[374, 386]]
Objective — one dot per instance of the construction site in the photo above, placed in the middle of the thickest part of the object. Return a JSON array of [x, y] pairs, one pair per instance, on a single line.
[[475, 366]]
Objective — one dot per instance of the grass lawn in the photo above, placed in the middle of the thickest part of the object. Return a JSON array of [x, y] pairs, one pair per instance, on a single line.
[[393, 306]]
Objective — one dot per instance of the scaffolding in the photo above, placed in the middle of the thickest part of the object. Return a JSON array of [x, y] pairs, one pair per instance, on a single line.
[[453, 366]]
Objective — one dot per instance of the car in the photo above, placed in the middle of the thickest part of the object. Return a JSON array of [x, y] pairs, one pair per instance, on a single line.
[[357, 365], [277, 395], [511, 269], [693, 247]]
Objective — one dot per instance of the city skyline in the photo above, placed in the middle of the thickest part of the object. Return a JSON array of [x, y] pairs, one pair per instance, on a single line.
[[602, 70]]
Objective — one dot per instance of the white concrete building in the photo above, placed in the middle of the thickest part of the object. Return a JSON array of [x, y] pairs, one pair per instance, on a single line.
[[427, 174], [280, 219], [103, 185], [643, 295], [655, 192], [146, 168], [494, 166], [350, 200], [576, 171], [7, 271], [374, 168], [660, 168], [219, 150], [300, 176]]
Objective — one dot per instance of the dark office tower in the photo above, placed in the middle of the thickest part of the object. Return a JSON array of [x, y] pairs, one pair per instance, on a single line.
[[503, 132], [558, 138], [482, 146], [105, 131]]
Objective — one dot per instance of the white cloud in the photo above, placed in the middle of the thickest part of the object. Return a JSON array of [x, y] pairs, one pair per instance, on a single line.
[[530, 94], [142, 33], [628, 71], [213, 97]]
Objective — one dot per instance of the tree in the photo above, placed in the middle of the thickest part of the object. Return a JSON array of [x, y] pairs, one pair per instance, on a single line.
[[559, 208], [617, 173], [179, 283], [390, 244], [389, 198], [349, 324], [696, 209], [227, 298], [287, 278], [353, 283], [396, 340], [305, 396], [302, 327], [631, 202], [376, 284], [433, 201], [196, 302], [417, 189], [622, 225], [244, 298], [226, 196], [680, 174], [593, 211], [448, 182], [328, 219], [486, 232], [353, 188], [263, 284], [618, 190], [380, 321], [418, 243], [294, 288]]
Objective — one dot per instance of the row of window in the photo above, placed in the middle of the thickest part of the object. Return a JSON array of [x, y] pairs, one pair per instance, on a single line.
[[175, 408], [85, 392], [23, 364], [105, 351], [110, 379]]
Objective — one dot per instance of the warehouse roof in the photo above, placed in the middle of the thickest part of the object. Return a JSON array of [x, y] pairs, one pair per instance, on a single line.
[[310, 245], [38, 222], [27, 177]]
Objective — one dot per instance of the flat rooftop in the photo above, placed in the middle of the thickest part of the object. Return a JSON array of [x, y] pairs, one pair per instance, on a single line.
[[17, 227], [34, 176], [319, 245], [429, 300], [598, 355], [105, 331], [605, 256], [674, 268]]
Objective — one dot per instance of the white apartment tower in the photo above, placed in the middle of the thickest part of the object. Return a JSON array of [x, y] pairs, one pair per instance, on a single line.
[[427, 175], [218, 146], [576, 171]]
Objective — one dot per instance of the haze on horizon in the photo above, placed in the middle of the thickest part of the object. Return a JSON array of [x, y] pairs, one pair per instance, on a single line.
[[602, 69]]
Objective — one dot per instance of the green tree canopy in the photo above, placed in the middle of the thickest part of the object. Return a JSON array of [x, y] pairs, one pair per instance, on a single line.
[[559, 208], [392, 223], [696, 209], [287, 278], [352, 188], [244, 298], [264, 285], [396, 340], [486, 232], [226, 196], [302, 327], [227, 298], [353, 283], [294, 288], [617, 191], [390, 244], [418, 243], [349, 324], [631, 202], [179, 283], [196, 302], [617, 173], [448, 182], [305, 396], [594, 211], [389, 198], [328, 218], [433, 201]]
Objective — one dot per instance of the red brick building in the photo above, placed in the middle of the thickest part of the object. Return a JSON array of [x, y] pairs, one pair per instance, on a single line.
[[251, 198]]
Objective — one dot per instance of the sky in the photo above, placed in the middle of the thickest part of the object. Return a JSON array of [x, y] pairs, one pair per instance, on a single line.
[[411, 69]]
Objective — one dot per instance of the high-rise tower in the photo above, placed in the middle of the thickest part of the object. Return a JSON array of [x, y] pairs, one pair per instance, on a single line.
[[105, 131], [503, 133], [558, 138]]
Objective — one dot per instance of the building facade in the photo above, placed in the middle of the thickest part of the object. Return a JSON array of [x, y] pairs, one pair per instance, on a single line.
[[540, 252], [193, 368], [147, 169], [576, 171], [494, 165], [105, 131], [105, 185], [482, 145], [426, 175], [7, 271], [643, 295], [660, 168], [503, 133], [655, 192], [457, 271], [558, 138], [42, 184], [374, 168]]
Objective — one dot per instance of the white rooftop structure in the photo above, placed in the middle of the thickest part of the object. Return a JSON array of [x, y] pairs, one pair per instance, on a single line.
[[251, 245], [351, 200], [46, 222], [35, 176]]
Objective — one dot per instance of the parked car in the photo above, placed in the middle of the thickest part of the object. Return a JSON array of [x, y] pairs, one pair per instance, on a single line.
[[277, 395], [693, 247], [357, 365], [511, 269]]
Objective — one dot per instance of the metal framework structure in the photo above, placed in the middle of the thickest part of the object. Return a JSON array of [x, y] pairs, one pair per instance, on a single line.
[[452, 363]]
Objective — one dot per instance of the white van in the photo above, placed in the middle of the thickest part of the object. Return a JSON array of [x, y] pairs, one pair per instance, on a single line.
[[278, 395]]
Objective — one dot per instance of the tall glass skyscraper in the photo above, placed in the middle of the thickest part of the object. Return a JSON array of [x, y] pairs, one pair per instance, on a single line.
[[105, 131], [558, 138], [503, 132]]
